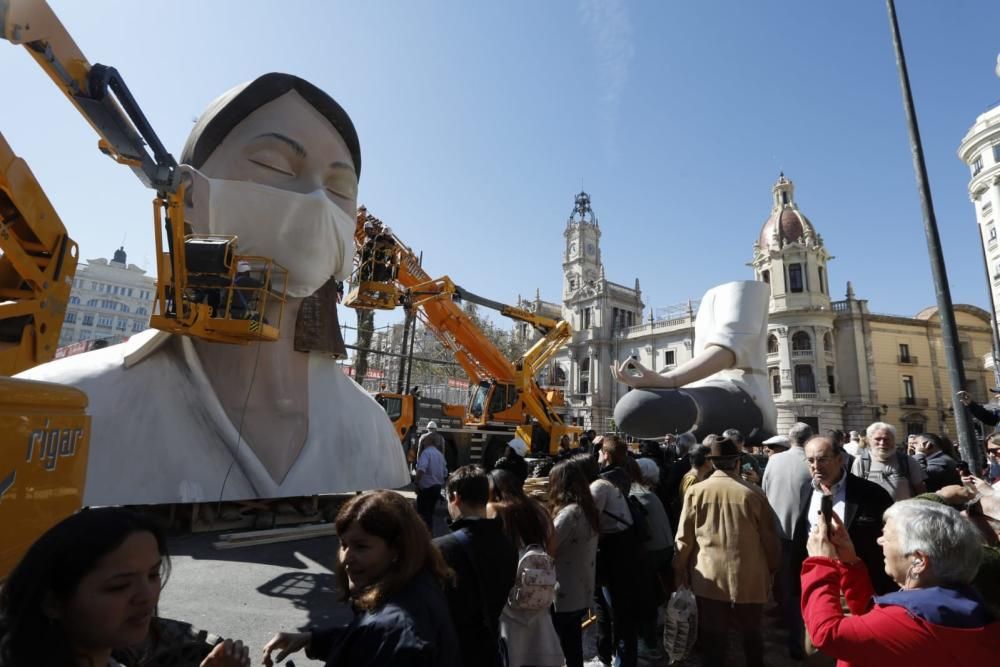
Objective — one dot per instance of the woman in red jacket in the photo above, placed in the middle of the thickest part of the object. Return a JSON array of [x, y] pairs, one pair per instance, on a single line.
[[935, 618]]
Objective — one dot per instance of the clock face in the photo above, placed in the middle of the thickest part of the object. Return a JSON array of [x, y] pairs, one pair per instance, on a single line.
[[590, 249], [572, 248]]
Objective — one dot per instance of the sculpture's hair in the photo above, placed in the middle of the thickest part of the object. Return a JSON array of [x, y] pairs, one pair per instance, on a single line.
[[232, 107], [949, 539]]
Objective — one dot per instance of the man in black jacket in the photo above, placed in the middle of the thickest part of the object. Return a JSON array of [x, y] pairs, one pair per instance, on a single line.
[[860, 504], [484, 562]]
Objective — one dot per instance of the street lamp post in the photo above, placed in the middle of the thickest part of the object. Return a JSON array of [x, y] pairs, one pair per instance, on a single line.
[[949, 333]]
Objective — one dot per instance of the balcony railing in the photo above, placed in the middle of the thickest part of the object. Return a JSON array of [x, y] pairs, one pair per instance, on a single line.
[[913, 401], [798, 354], [908, 359], [804, 394]]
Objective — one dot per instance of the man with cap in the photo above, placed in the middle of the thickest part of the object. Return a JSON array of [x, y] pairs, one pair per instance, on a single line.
[[727, 550], [513, 459], [775, 445], [432, 471]]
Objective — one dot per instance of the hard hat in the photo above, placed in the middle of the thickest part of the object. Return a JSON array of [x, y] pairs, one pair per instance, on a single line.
[[242, 267], [519, 446], [432, 426]]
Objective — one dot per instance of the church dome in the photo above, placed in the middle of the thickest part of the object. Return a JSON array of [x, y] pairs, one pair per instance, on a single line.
[[786, 223]]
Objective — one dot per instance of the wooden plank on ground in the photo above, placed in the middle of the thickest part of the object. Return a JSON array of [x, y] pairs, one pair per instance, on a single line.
[[327, 529]]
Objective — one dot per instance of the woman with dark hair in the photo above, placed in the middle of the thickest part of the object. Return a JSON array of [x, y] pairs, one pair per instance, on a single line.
[[87, 589], [393, 576], [524, 519], [575, 551]]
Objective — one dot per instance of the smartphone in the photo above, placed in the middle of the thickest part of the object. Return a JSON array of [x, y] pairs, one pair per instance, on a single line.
[[826, 507]]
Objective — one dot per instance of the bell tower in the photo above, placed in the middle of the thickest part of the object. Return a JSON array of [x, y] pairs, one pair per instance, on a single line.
[[582, 253]]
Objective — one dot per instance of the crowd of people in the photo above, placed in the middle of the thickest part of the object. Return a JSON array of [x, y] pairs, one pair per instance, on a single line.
[[870, 552]]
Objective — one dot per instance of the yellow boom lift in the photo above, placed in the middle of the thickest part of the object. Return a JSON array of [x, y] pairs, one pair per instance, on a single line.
[[44, 429], [506, 398]]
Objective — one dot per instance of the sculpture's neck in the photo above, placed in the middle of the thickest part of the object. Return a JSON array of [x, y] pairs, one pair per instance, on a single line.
[[264, 390]]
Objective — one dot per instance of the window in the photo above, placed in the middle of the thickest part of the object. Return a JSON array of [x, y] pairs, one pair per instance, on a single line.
[[669, 358], [772, 344], [784, 196], [572, 283], [70, 316], [92, 303], [805, 383], [585, 375], [822, 281], [137, 326], [904, 353], [121, 324], [991, 232], [977, 165], [795, 277], [996, 153], [116, 289], [828, 342], [74, 300], [966, 347], [766, 276], [830, 383], [586, 318], [130, 291], [124, 308], [88, 320], [93, 285], [909, 393], [104, 321], [914, 428], [775, 381], [140, 311], [801, 342]]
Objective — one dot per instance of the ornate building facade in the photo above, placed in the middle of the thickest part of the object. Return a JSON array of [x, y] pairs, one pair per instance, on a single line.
[[830, 363]]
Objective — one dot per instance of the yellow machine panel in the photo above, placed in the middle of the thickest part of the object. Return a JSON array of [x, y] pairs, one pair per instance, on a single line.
[[43, 464]]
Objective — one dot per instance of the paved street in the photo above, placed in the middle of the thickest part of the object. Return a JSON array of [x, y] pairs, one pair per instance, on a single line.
[[252, 592]]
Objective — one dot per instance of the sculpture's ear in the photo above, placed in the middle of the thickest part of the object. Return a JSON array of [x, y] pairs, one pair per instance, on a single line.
[[196, 189]]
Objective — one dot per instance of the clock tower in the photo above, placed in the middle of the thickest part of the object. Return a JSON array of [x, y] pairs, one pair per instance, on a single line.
[[582, 255]]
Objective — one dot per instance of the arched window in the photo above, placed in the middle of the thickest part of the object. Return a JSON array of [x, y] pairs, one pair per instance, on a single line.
[[766, 276], [772, 344], [828, 342], [805, 382], [801, 342], [775, 381]]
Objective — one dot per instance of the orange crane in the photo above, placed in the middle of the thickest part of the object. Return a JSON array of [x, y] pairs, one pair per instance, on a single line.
[[506, 399]]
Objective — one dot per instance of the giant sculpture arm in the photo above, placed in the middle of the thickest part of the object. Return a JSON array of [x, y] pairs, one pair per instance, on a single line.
[[712, 359]]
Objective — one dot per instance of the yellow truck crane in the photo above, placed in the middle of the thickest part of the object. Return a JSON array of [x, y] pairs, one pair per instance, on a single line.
[[44, 428], [506, 400]]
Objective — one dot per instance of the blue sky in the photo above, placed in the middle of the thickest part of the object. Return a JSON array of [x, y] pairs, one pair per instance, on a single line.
[[479, 122]]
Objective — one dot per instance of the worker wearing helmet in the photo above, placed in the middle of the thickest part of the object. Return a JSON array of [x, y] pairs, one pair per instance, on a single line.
[[432, 470]]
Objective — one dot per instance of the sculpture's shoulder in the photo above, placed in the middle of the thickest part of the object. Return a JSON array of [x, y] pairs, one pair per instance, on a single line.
[[97, 365]]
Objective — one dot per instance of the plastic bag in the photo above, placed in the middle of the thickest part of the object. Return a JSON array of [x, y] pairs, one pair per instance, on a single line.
[[680, 628]]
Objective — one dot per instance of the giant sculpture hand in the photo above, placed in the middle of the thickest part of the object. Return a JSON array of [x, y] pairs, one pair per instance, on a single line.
[[722, 386]]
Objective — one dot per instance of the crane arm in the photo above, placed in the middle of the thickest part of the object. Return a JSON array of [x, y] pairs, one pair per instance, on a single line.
[[98, 92]]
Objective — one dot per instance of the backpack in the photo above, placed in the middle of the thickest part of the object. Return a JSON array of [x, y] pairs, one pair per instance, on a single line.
[[902, 461], [535, 580], [639, 519]]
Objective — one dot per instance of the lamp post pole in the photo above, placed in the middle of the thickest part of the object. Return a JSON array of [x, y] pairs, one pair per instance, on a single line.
[[949, 332]]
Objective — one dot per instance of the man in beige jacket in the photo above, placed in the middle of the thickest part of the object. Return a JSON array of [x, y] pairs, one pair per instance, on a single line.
[[727, 550]]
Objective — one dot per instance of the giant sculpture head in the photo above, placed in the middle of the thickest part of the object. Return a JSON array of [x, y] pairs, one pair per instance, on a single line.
[[279, 162]]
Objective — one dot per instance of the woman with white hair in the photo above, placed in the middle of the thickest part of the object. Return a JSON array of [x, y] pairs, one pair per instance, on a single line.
[[935, 618], [658, 551]]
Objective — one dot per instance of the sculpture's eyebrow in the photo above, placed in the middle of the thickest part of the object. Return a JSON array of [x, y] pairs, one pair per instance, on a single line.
[[295, 146]]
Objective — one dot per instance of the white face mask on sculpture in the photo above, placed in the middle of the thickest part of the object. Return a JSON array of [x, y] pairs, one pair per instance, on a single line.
[[308, 234]]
